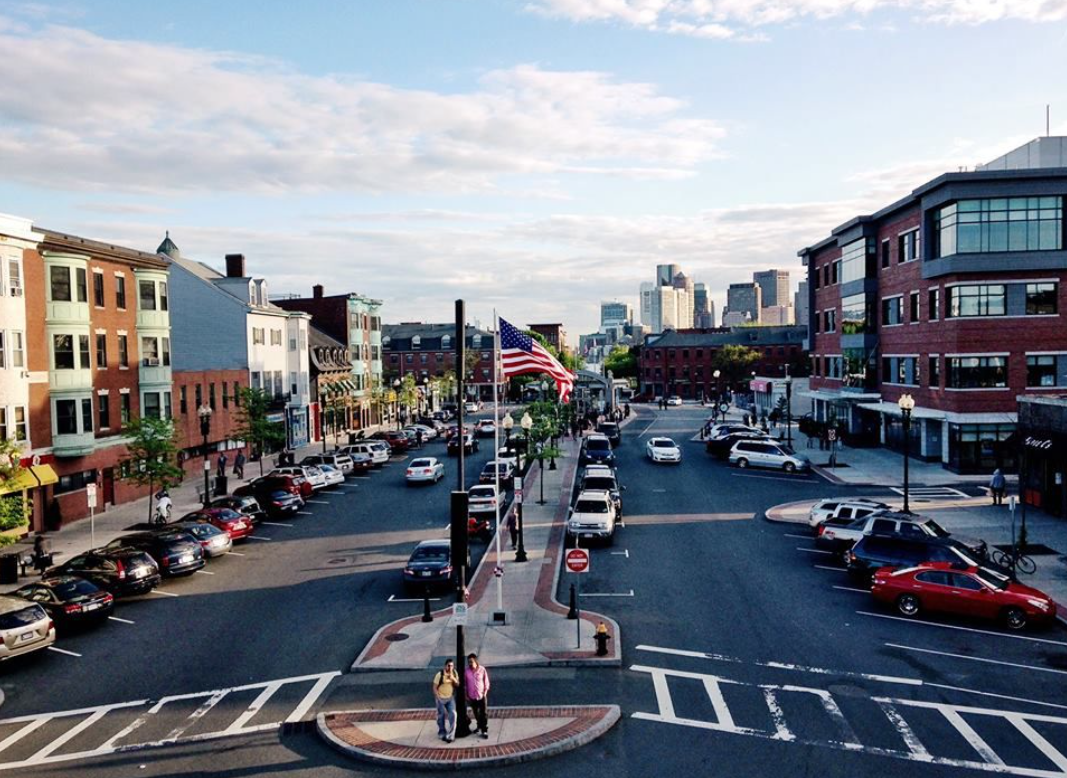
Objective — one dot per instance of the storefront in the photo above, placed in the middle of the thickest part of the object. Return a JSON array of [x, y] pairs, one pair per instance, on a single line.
[[981, 448], [1042, 447], [27, 489]]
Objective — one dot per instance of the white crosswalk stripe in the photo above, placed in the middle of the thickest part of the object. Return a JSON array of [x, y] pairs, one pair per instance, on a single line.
[[931, 493]]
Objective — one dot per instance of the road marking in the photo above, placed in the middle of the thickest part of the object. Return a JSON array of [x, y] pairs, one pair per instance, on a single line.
[[964, 629], [238, 724], [234, 553], [256, 537], [852, 589], [305, 513], [792, 480], [798, 537], [1038, 740], [624, 552], [63, 651], [116, 618], [22, 732], [394, 598], [977, 659], [827, 567], [70, 734], [317, 502], [683, 652], [815, 551], [972, 737], [276, 524], [911, 740], [204, 572], [607, 594], [163, 593]]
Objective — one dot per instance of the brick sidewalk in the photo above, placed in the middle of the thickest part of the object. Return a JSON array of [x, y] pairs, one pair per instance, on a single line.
[[408, 738]]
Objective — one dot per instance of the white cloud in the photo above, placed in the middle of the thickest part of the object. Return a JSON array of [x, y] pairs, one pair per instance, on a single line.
[[739, 19], [82, 111]]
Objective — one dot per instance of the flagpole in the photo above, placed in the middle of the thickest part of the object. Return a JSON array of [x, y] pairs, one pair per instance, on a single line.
[[496, 454]]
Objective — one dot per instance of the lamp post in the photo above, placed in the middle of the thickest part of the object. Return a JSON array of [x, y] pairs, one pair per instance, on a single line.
[[906, 404], [526, 423], [204, 412], [396, 401], [507, 423], [788, 407]]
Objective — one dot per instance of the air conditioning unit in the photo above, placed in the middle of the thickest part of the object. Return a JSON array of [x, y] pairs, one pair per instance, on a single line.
[[16, 291], [151, 362]]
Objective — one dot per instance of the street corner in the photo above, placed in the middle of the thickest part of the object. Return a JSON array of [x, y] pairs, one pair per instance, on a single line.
[[790, 512], [403, 644], [408, 738], [592, 635]]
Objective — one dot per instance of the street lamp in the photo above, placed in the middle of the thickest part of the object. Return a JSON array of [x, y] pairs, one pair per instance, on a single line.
[[204, 412], [526, 423], [788, 407], [906, 404], [507, 423], [396, 401]]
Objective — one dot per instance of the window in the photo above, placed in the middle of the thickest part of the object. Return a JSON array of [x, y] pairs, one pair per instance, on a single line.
[[101, 351], [14, 277], [1041, 371], [211, 395], [423, 358], [98, 289], [856, 315], [59, 278], [124, 351], [124, 409], [151, 409], [1041, 299], [276, 337], [200, 396], [255, 381], [166, 351], [857, 260], [63, 352], [147, 295], [278, 383], [999, 224], [236, 394], [258, 336], [22, 423], [933, 303], [826, 274], [168, 409], [978, 300], [73, 482], [163, 301], [3, 423], [84, 360], [887, 370], [977, 372], [120, 292], [3, 350], [66, 417], [87, 415], [913, 307], [829, 321], [183, 399], [225, 396], [935, 371], [908, 246], [83, 284], [892, 311], [835, 272], [294, 388], [149, 352], [292, 344]]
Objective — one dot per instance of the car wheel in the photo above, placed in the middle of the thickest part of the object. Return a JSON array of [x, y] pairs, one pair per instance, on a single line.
[[908, 605], [742, 463], [789, 467], [1015, 618]]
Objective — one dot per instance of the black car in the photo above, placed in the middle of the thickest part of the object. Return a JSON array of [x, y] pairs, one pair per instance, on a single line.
[[597, 449], [720, 447], [122, 571], [176, 551], [430, 565], [470, 444], [874, 551], [245, 504], [272, 495], [611, 431], [69, 600]]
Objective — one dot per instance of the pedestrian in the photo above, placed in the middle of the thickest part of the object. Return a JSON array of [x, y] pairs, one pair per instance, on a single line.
[[476, 680], [444, 695], [418, 438], [239, 464], [996, 487], [627, 410], [42, 554], [220, 465], [513, 528]]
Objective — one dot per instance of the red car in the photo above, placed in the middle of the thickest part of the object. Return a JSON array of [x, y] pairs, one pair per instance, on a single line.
[[263, 487], [949, 587], [398, 441], [234, 524]]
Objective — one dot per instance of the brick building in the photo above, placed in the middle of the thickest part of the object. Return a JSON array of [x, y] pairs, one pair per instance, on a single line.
[[554, 335], [429, 350], [953, 294], [682, 363]]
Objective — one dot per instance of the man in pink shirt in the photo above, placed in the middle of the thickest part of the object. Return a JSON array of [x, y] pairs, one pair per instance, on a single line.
[[476, 681]]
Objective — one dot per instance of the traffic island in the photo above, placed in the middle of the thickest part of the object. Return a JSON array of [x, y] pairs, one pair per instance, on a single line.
[[408, 738]]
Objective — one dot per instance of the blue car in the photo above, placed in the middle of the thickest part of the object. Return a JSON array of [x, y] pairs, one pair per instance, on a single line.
[[597, 450]]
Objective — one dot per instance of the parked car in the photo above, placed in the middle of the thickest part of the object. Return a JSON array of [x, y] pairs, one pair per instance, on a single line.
[[472, 406], [310, 473], [840, 533], [600, 478], [846, 507], [342, 462], [470, 444], [262, 488], [872, 552], [941, 587], [720, 447], [213, 541], [430, 564], [246, 504], [429, 431], [485, 428], [728, 428], [122, 571], [425, 470], [510, 455], [663, 450], [596, 448], [232, 523], [377, 451], [70, 601], [175, 551], [482, 498], [610, 430], [397, 441], [333, 476], [592, 517], [762, 453], [674, 400], [489, 473], [24, 627]]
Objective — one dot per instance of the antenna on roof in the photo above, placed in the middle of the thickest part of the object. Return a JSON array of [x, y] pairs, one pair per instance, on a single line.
[[1048, 116]]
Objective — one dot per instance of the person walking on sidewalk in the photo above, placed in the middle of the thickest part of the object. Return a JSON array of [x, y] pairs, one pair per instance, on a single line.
[[477, 683], [996, 487], [220, 466], [513, 528], [444, 690], [239, 465], [42, 554]]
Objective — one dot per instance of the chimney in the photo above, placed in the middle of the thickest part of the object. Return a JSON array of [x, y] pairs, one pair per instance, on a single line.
[[316, 291], [235, 266]]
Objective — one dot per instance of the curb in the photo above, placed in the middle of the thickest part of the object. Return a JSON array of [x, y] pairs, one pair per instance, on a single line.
[[611, 716], [774, 513]]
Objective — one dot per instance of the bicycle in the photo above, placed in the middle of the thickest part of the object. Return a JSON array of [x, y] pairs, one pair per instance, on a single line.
[[1013, 561]]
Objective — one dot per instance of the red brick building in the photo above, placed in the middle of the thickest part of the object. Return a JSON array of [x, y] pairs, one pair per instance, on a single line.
[[429, 350], [220, 391], [554, 334]]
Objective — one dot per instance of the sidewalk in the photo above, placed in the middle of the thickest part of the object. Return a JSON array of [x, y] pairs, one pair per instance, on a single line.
[[536, 632]]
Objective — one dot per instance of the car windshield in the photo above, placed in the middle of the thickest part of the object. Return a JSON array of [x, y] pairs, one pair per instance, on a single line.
[[22, 618], [227, 514], [591, 506], [481, 491], [663, 443], [430, 554], [996, 580], [935, 529], [786, 449], [421, 463], [599, 482], [73, 588], [278, 496], [598, 444]]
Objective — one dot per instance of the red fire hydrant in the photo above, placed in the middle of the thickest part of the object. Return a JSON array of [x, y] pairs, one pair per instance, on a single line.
[[602, 637]]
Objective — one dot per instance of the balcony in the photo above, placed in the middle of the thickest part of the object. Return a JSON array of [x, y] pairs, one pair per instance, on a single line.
[[152, 373], [73, 445]]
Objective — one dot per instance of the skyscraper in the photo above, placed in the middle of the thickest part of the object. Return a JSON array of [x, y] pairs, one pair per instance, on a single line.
[[774, 287], [683, 286], [614, 313], [703, 307], [744, 299], [665, 274], [800, 304]]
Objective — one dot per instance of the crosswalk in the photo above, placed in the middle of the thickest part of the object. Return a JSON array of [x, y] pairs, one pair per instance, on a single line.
[[70, 735], [931, 493], [961, 736]]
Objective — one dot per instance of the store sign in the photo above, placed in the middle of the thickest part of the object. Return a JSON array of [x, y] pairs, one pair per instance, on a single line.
[[759, 386], [276, 418], [1041, 444]]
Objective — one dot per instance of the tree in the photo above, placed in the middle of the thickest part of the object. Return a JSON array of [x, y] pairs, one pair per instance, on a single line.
[[151, 455], [253, 427], [570, 361], [735, 363], [14, 510], [621, 362], [408, 393]]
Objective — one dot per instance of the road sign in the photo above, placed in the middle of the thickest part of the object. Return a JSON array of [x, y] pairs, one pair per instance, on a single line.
[[459, 614], [518, 496], [831, 434], [577, 560], [724, 407], [90, 494]]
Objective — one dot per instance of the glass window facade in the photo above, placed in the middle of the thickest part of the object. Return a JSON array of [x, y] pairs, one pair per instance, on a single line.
[[857, 315], [999, 224], [977, 300], [977, 372], [857, 260], [979, 448]]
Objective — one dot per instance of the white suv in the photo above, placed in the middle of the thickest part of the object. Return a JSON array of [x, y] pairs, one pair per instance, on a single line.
[[314, 476], [377, 450], [592, 517], [845, 507], [767, 453]]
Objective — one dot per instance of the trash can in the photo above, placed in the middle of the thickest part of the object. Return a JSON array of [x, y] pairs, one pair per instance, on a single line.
[[9, 568], [221, 488]]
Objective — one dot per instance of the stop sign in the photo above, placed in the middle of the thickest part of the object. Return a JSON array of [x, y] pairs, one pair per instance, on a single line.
[[577, 560]]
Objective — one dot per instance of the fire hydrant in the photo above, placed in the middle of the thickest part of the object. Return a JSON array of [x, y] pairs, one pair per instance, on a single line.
[[602, 637]]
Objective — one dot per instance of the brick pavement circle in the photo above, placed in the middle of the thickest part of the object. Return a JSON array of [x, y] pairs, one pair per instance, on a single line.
[[344, 732]]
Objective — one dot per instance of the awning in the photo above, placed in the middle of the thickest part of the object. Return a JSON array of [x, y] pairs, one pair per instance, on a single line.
[[892, 409], [31, 478]]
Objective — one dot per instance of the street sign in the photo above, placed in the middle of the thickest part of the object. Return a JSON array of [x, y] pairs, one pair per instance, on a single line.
[[90, 494], [831, 434], [577, 560], [724, 407], [518, 496], [459, 614]]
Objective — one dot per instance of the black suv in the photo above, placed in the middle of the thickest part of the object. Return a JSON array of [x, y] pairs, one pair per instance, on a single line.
[[121, 571], [176, 551], [874, 551], [245, 504], [720, 447], [430, 565], [611, 431]]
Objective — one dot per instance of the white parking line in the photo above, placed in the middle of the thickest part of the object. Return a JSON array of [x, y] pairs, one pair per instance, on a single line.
[[964, 629], [607, 594], [123, 621], [394, 598], [852, 589], [275, 524], [827, 567], [798, 537], [234, 553], [624, 552], [204, 572], [977, 659], [305, 513], [63, 651], [317, 502], [256, 537], [165, 594], [815, 551]]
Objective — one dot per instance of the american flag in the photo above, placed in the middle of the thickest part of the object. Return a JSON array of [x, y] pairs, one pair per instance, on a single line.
[[519, 354]]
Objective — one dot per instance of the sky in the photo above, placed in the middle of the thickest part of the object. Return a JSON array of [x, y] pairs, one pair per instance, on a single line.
[[529, 156]]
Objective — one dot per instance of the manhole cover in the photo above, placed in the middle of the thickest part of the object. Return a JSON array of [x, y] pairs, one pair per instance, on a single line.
[[397, 637], [849, 690]]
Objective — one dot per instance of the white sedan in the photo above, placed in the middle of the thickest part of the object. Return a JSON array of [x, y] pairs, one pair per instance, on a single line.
[[332, 475], [663, 450], [428, 432], [674, 400], [472, 407], [482, 498], [425, 469]]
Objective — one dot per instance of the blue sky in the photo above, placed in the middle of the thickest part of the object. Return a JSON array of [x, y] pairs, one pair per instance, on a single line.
[[536, 156]]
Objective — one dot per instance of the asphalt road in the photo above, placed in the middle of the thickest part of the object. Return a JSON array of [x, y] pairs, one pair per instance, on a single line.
[[746, 654]]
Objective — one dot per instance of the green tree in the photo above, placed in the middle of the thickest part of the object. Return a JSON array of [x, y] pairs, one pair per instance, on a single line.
[[622, 362], [151, 455], [253, 426], [735, 363], [14, 510], [408, 394]]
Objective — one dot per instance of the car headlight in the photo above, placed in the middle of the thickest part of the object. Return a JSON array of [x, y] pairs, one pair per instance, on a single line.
[[1039, 604]]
